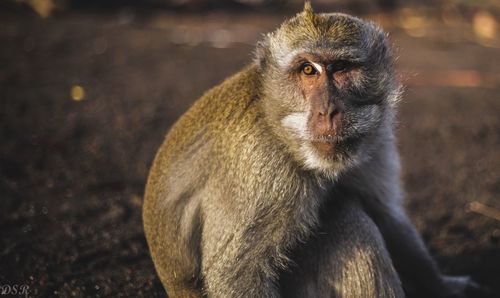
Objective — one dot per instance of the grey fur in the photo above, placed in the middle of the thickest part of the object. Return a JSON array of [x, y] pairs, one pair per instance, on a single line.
[[234, 208]]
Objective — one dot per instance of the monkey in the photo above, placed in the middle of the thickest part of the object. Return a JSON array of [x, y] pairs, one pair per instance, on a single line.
[[284, 180]]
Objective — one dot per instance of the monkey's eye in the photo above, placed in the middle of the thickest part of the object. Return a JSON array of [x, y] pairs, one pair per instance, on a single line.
[[308, 69]]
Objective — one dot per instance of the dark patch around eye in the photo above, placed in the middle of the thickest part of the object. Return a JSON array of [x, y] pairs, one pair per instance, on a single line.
[[340, 65]]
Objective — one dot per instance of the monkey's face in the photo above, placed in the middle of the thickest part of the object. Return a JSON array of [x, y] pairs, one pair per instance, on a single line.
[[330, 89]]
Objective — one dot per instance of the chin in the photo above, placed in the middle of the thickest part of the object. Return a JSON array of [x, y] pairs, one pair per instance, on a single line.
[[330, 158]]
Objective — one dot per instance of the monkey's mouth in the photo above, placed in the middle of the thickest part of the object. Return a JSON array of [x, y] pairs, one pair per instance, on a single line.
[[335, 145], [325, 147]]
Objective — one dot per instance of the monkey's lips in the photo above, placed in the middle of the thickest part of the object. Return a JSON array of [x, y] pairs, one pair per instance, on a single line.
[[334, 145], [326, 144], [325, 147]]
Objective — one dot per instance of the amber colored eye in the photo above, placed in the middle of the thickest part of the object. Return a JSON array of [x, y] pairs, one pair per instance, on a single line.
[[308, 69]]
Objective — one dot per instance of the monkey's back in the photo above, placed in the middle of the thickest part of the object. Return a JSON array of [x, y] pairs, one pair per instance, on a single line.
[[193, 148], [207, 113]]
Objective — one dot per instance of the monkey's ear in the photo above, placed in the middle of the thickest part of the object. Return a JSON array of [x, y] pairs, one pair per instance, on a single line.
[[262, 53]]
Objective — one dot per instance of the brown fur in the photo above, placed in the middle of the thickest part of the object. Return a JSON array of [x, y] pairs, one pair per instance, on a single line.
[[239, 203]]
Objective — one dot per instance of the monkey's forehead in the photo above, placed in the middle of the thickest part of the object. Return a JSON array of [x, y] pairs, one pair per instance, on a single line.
[[336, 34], [335, 28]]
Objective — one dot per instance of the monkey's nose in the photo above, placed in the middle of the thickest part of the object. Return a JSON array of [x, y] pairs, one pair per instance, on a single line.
[[329, 111], [329, 121], [329, 118]]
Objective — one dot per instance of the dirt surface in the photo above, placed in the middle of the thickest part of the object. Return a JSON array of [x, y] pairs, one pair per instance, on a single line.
[[72, 173]]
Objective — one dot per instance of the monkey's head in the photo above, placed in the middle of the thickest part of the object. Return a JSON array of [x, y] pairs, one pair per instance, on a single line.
[[329, 88]]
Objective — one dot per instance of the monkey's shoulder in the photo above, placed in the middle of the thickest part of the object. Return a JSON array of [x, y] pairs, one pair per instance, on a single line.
[[229, 101], [222, 129], [224, 109]]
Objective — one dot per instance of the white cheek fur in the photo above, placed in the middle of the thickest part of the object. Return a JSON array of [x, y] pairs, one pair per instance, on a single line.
[[311, 158], [297, 123]]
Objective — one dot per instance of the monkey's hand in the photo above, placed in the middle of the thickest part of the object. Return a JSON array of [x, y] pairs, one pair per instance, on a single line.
[[461, 287]]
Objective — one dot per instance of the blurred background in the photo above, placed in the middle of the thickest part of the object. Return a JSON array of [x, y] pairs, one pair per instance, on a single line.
[[88, 89]]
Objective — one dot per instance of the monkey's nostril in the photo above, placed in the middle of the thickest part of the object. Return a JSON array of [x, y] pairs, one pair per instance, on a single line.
[[332, 110]]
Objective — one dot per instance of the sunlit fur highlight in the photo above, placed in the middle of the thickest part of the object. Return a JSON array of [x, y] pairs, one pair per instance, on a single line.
[[238, 203]]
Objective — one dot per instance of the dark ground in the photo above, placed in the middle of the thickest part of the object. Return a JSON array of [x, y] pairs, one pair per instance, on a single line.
[[72, 173]]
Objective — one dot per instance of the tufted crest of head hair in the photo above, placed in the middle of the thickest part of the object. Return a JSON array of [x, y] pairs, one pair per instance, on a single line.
[[310, 30], [308, 12]]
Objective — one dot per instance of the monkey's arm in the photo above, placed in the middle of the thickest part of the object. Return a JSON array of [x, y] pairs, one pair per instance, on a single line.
[[239, 259], [381, 196], [346, 257], [408, 251], [412, 259]]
